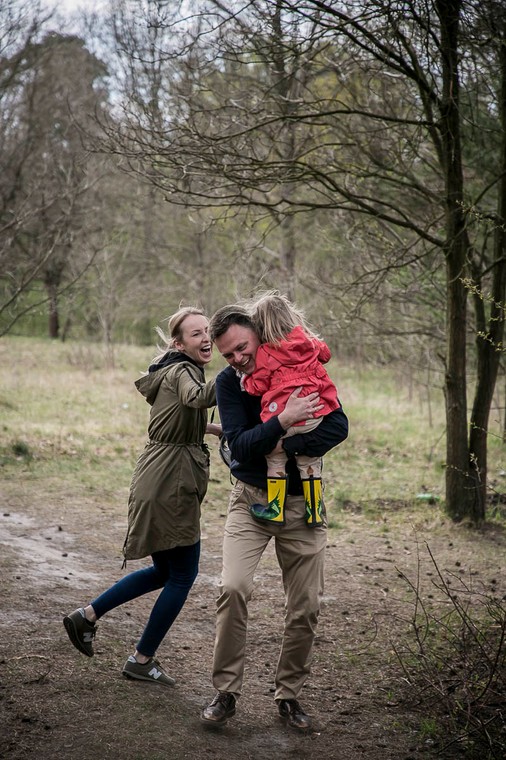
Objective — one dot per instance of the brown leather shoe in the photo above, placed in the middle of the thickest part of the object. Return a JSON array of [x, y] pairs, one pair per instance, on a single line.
[[219, 710], [293, 714]]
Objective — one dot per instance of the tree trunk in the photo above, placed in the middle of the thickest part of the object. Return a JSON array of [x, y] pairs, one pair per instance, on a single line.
[[53, 274], [487, 373], [286, 86], [53, 316], [490, 341], [288, 255], [458, 494], [504, 414]]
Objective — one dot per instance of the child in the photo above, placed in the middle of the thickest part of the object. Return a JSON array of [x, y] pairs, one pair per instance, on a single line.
[[290, 356]]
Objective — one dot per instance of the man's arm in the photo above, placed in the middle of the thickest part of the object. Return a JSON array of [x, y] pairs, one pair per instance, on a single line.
[[332, 430], [247, 437]]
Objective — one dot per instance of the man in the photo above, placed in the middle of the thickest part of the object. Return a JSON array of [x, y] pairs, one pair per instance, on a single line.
[[300, 549]]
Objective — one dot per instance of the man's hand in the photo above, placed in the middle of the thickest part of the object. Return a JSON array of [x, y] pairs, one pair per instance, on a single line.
[[213, 428], [298, 409]]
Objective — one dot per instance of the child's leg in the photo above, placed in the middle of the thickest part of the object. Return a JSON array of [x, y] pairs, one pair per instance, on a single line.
[[308, 466], [276, 464], [310, 472], [276, 491]]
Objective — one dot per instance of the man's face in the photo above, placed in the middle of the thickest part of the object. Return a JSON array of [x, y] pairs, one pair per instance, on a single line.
[[238, 346]]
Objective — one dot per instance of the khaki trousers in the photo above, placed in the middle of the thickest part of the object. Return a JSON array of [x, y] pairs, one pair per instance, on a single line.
[[300, 552]]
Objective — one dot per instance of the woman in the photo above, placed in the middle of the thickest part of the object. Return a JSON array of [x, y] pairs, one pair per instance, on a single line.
[[168, 486]]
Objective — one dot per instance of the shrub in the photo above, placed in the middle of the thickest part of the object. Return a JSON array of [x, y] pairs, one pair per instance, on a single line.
[[454, 661]]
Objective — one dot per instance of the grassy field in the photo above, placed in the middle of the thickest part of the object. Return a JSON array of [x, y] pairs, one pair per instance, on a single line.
[[67, 414]]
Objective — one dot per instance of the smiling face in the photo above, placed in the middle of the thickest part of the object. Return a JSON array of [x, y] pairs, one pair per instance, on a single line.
[[238, 346], [194, 340]]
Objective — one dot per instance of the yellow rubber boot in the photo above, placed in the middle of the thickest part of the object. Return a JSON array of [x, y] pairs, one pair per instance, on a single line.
[[276, 496], [313, 499]]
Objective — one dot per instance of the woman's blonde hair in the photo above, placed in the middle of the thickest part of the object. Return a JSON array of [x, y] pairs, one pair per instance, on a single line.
[[274, 316], [175, 329]]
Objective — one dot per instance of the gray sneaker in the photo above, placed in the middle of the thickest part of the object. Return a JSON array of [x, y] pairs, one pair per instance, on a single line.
[[150, 671], [81, 632]]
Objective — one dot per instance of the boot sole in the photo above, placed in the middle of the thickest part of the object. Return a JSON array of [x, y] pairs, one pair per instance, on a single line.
[[221, 722], [294, 726], [133, 677]]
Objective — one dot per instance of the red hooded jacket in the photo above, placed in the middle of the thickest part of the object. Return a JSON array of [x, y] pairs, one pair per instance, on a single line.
[[297, 361]]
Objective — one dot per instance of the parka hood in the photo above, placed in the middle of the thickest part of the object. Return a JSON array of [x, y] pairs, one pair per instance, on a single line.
[[171, 357], [149, 384]]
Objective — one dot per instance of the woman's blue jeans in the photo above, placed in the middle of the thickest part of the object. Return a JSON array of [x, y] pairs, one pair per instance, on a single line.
[[174, 571]]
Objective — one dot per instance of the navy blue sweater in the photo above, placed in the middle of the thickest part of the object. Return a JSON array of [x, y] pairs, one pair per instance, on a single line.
[[250, 439]]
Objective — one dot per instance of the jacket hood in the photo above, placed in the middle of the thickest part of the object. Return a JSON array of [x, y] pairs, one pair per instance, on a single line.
[[172, 357], [296, 347], [149, 384]]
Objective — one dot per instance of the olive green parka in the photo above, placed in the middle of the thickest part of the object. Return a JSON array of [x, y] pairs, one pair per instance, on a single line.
[[171, 475]]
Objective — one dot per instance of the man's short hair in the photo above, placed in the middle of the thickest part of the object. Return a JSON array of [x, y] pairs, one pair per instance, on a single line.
[[233, 314]]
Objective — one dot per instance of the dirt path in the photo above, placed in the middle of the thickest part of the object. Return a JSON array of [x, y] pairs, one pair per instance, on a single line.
[[54, 703]]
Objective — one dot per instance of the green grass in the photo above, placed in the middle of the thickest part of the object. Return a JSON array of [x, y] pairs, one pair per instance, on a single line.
[[74, 418], [66, 413], [395, 449]]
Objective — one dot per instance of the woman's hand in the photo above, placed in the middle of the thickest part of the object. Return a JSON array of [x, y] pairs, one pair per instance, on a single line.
[[213, 428], [298, 409]]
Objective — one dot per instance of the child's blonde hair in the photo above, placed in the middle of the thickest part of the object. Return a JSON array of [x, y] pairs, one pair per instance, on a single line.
[[274, 316]]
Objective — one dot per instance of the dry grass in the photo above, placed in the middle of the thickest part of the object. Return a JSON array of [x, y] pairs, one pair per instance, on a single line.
[[64, 409]]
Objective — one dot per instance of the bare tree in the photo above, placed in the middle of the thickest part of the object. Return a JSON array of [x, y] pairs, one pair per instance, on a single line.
[[199, 89], [51, 91], [366, 112], [439, 50]]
